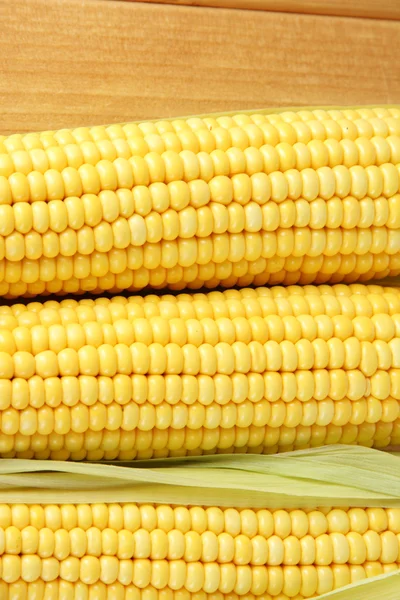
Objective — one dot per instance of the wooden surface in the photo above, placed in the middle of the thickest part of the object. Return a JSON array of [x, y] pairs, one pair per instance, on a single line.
[[375, 9], [67, 63]]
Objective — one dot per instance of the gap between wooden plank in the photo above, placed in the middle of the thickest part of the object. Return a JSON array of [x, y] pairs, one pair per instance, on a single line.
[[68, 63]]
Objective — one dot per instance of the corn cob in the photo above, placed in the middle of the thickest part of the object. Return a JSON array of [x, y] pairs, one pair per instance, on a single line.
[[159, 552], [259, 370], [297, 197]]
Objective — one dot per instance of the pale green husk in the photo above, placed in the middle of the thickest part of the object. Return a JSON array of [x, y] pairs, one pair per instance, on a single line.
[[333, 475], [383, 587], [330, 476]]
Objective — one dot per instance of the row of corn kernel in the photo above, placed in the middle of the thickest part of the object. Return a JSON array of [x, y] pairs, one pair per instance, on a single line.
[[306, 340], [62, 414], [182, 323], [157, 443], [126, 445], [90, 146], [84, 248], [110, 355], [193, 577], [147, 417], [65, 274], [53, 590], [218, 246], [208, 384], [271, 395], [73, 165], [248, 522], [325, 549], [194, 161], [327, 579], [227, 426], [350, 300], [380, 394], [207, 547], [287, 126], [246, 256], [225, 254], [106, 213], [259, 181]]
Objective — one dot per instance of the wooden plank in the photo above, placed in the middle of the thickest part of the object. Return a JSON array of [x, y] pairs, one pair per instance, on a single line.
[[74, 62], [376, 9]]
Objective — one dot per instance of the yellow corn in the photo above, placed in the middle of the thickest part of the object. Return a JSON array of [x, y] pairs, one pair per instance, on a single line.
[[296, 197], [256, 370], [160, 552]]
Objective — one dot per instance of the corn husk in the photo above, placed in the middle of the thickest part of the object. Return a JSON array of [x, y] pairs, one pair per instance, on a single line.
[[384, 587], [334, 475], [330, 476]]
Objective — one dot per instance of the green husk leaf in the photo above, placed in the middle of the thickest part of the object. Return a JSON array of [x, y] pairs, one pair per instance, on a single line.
[[336, 475], [382, 587]]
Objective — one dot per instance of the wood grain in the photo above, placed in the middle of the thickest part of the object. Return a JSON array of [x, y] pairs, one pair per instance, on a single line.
[[375, 9], [68, 63]]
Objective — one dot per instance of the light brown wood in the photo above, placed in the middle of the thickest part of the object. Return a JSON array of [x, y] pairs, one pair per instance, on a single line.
[[67, 63], [376, 9]]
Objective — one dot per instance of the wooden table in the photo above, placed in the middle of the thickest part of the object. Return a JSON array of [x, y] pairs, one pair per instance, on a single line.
[[66, 63]]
